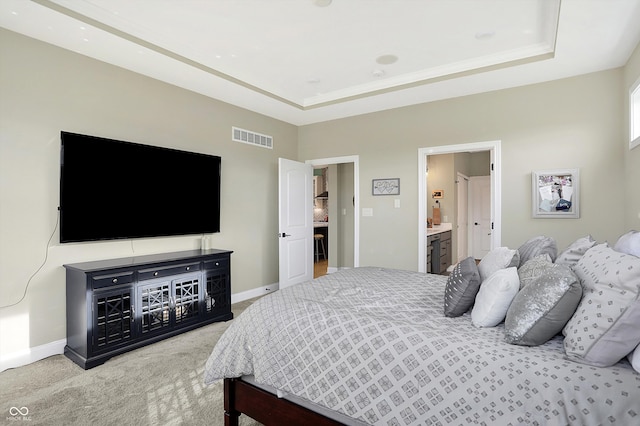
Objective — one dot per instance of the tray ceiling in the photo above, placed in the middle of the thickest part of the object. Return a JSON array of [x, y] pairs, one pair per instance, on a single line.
[[304, 61]]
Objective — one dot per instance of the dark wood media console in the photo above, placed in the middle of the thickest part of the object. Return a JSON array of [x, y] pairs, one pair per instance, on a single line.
[[116, 305]]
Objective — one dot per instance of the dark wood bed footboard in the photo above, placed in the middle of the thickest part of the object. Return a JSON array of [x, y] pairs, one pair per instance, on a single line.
[[241, 397]]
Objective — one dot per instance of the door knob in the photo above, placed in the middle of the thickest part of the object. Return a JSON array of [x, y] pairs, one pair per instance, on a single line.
[[284, 235], [476, 223]]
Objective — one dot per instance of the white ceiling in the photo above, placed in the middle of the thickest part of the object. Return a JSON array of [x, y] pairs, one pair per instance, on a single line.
[[305, 61]]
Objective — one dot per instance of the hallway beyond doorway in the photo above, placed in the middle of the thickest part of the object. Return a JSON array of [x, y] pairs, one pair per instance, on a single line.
[[320, 268]]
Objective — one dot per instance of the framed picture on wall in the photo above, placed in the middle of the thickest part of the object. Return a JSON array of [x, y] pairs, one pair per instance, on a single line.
[[555, 193], [385, 186]]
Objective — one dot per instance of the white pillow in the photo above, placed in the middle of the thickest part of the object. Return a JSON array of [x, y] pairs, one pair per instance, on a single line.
[[494, 298], [496, 259], [629, 243], [634, 359]]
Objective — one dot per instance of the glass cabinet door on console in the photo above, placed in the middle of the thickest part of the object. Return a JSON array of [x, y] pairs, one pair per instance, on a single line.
[[186, 295], [166, 304], [217, 297], [154, 306], [112, 318]]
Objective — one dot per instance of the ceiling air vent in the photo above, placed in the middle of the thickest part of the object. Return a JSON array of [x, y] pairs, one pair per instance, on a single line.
[[252, 138]]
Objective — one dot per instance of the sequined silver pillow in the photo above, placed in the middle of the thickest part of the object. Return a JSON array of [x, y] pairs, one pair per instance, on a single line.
[[533, 268], [605, 328], [461, 289], [543, 307]]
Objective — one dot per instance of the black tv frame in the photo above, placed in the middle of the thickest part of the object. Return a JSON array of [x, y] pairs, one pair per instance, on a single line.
[[112, 189]]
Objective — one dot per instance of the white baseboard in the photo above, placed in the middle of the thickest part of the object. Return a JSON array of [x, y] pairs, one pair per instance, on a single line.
[[27, 356], [256, 292]]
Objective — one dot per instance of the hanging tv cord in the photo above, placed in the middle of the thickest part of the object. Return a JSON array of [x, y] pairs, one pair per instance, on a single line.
[[46, 256]]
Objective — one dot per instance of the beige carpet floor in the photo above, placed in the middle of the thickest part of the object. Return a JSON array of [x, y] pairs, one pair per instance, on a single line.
[[160, 384]]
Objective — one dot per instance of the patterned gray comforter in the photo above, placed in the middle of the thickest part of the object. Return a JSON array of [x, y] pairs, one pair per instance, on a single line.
[[374, 344]]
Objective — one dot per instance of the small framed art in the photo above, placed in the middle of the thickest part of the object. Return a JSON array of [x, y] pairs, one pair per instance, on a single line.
[[555, 193], [385, 186]]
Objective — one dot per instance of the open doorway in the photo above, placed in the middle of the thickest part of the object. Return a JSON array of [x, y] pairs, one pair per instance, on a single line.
[[338, 207], [425, 188]]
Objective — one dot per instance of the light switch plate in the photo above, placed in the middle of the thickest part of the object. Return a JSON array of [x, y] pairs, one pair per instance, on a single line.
[[396, 203], [367, 212]]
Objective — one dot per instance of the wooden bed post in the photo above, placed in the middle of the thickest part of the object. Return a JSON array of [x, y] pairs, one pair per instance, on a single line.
[[231, 415]]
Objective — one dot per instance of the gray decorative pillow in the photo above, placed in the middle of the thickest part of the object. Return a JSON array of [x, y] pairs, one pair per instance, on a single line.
[[572, 254], [533, 268], [629, 243], [541, 309], [461, 289], [605, 328], [537, 246]]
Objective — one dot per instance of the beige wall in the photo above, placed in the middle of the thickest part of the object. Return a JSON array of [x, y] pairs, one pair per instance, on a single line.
[[44, 90], [631, 158], [441, 177], [571, 123]]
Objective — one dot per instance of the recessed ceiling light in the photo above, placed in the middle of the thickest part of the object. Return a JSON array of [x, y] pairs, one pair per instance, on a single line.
[[378, 73], [313, 80], [386, 59], [322, 3]]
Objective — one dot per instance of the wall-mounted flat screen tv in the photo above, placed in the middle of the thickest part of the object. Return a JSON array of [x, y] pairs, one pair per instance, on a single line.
[[112, 189]]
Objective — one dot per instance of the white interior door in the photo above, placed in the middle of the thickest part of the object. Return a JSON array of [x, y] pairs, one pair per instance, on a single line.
[[480, 196], [295, 181], [463, 217]]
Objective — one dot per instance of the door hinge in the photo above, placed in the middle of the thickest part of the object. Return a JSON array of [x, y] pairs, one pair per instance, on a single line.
[[491, 225], [491, 166]]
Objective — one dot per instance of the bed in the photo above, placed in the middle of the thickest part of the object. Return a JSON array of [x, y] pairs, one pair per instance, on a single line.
[[372, 346]]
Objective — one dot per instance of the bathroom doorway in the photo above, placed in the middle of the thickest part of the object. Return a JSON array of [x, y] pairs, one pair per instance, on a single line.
[[425, 188]]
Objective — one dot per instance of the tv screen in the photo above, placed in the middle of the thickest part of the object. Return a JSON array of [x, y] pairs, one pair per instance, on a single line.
[[113, 189]]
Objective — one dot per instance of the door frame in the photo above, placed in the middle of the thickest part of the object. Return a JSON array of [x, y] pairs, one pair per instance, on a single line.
[[467, 233], [355, 159], [494, 147]]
